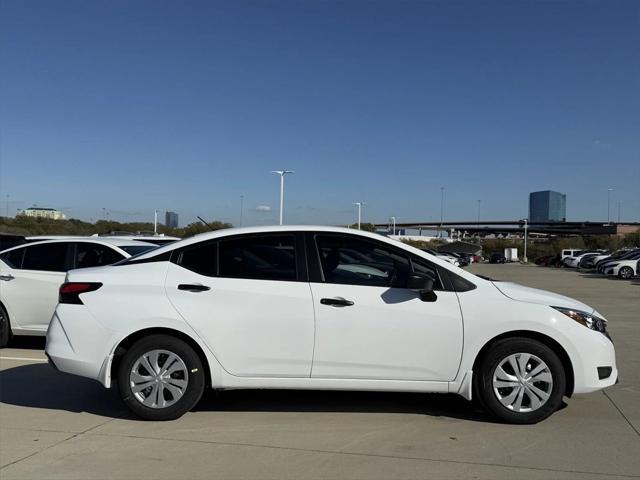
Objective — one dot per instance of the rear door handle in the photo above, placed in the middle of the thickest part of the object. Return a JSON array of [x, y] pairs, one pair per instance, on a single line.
[[336, 302], [193, 287], [7, 278]]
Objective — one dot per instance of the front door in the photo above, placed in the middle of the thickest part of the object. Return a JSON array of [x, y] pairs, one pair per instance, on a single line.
[[369, 326], [247, 300]]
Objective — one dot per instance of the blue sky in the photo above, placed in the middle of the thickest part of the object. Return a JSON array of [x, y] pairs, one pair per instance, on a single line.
[[186, 105]]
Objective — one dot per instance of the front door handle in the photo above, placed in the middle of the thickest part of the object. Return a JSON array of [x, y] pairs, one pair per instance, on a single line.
[[7, 278], [336, 302], [193, 287]]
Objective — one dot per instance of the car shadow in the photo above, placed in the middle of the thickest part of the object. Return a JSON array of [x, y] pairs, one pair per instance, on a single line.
[[28, 343], [40, 386]]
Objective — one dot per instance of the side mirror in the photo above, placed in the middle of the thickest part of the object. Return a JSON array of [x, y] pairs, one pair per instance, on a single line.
[[422, 285]]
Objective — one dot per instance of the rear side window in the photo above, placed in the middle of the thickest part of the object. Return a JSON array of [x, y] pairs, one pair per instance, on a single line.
[[260, 257], [199, 258], [95, 255], [49, 257], [14, 258]]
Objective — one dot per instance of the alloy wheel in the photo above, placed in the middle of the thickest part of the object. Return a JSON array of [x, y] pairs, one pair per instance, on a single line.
[[158, 378], [522, 382]]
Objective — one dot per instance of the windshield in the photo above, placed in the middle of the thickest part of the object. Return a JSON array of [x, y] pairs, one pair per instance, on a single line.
[[138, 249]]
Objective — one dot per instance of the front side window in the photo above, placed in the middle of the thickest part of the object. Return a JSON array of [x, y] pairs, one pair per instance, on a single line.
[[13, 258], [49, 257], [95, 255], [260, 257], [353, 261]]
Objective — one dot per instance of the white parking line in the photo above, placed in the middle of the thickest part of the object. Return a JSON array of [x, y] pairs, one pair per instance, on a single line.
[[23, 359]]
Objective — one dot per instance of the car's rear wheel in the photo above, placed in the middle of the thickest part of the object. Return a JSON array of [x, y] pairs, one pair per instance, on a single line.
[[5, 328], [161, 378], [521, 380], [626, 273]]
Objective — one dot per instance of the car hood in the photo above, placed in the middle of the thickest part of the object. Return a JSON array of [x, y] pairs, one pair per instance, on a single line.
[[543, 297]]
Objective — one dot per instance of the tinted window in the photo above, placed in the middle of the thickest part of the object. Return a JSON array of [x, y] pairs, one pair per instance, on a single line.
[[353, 261], [50, 257], [199, 258], [137, 249], [259, 257], [95, 255], [426, 269], [14, 258]]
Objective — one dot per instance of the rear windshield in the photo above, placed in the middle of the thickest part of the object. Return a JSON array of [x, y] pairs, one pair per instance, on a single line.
[[138, 249]]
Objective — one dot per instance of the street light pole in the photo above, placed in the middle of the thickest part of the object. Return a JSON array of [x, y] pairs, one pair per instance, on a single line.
[[441, 208], [155, 222], [241, 208], [393, 219], [524, 257], [359, 204], [609, 204], [282, 173]]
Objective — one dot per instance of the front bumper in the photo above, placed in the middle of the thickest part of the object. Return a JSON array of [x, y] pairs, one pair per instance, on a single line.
[[595, 357]]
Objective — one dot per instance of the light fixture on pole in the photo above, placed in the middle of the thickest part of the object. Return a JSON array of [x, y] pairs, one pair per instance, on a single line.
[[282, 173], [360, 205], [393, 220]]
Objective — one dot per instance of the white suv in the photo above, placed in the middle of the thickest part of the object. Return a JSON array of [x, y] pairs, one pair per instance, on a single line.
[[322, 308], [31, 274]]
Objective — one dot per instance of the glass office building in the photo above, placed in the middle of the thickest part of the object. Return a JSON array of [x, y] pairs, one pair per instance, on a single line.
[[547, 206], [171, 219]]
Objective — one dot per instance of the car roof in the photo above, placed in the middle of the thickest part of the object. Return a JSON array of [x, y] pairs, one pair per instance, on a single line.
[[226, 232], [116, 242]]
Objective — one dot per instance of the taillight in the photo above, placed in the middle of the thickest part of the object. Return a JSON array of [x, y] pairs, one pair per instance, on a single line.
[[70, 292]]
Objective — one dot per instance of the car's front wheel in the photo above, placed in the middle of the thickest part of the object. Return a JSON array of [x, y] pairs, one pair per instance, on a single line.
[[626, 273], [521, 381], [161, 377]]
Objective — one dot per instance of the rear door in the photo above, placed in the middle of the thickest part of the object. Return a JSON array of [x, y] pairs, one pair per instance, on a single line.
[[32, 294], [248, 299], [368, 325]]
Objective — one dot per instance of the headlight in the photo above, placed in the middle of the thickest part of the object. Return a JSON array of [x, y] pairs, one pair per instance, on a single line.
[[583, 318]]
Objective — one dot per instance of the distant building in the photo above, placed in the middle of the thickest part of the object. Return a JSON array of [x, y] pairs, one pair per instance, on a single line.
[[41, 212], [171, 219], [547, 206]]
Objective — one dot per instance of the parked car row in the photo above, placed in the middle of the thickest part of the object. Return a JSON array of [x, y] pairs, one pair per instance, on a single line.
[[622, 263], [31, 274]]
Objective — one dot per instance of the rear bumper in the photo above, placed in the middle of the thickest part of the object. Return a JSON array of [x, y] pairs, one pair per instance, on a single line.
[[79, 345]]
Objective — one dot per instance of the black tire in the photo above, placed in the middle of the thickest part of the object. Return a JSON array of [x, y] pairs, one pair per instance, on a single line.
[[626, 273], [5, 327], [194, 372], [499, 351]]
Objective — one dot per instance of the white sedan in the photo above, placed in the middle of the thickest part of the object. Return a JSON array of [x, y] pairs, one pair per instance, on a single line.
[[31, 274], [322, 308], [625, 269]]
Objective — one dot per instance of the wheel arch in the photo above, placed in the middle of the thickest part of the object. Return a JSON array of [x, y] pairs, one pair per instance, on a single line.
[[540, 337], [126, 343]]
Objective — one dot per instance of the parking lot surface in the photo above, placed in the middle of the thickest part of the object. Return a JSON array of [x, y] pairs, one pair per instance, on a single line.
[[56, 426]]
